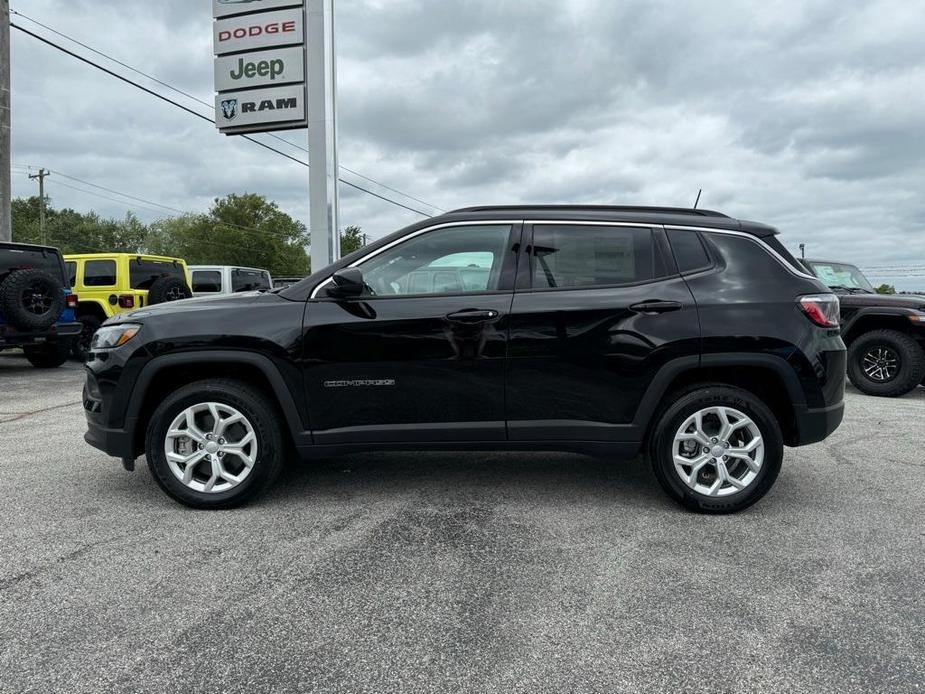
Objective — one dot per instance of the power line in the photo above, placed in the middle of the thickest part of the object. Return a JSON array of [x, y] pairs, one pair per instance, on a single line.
[[144, 202], [210, 106]]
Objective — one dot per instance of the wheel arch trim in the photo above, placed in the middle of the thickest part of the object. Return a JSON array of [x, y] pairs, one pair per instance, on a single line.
[[660, 385], [295, 421], [897, 313]]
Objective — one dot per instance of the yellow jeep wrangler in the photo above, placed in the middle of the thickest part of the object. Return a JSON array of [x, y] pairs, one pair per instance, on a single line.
[[110, 283]]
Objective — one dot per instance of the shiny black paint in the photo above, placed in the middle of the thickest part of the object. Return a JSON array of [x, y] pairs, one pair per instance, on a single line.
[[581, 360], [573, 369], [373, 367], [749, 305]]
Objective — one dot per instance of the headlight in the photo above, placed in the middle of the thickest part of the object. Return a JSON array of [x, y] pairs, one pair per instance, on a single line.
[[112, 336]]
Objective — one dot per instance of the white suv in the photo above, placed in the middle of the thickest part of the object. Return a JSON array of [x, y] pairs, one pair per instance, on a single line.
[[209, 280]]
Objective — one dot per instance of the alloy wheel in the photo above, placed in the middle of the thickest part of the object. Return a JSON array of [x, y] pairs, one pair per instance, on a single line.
[[718, 451], [36, 300], [211, 447], [880, 364]]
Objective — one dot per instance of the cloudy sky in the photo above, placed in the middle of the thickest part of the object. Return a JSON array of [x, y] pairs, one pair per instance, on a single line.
[[805, 114]]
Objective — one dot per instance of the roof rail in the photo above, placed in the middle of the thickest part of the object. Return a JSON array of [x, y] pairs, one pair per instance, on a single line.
[[595, 208]]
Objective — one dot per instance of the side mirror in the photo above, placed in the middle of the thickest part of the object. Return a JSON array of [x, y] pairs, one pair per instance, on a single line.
[[348, 283]]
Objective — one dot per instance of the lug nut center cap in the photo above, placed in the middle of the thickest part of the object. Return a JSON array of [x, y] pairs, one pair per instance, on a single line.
[[212, 447], [718, 451]]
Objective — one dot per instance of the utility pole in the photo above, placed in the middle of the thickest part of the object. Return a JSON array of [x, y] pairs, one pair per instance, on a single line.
[[6, 200], [321, 100], [41, 176]]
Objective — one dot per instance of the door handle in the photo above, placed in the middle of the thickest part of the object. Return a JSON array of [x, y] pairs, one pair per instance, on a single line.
[[472, 315], [653, 307]]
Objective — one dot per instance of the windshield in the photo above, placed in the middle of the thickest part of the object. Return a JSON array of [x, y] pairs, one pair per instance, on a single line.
[[841, 275]]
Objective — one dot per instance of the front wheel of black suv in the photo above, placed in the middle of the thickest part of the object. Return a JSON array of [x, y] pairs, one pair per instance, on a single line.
[[716, 449], [886, 363], [214, 444], [51, 355]]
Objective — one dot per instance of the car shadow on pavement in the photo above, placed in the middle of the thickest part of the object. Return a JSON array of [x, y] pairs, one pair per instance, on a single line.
[[490, 476]]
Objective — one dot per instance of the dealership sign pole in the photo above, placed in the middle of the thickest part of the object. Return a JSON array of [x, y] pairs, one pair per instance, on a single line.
[[275, 70]]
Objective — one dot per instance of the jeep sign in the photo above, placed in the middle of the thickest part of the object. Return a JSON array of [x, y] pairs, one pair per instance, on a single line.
[[260, 107], [227, 8], [261, 69], [253, 31]]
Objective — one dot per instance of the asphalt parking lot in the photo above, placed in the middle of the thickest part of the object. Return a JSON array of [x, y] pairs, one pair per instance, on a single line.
[[448, 572]]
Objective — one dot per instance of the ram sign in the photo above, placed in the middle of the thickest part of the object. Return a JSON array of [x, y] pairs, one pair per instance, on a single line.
[[259, 65], [260, 107]]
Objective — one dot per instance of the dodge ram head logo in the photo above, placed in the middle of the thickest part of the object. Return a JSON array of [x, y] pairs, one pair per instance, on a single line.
[[230, 109]]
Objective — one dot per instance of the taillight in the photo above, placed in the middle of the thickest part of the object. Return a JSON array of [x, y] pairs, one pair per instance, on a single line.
[[821, 309], [126, 301], [71, 301]]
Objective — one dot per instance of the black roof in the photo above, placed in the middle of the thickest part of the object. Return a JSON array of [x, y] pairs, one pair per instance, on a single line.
[[676, 216], [27, 247], [679, 216]]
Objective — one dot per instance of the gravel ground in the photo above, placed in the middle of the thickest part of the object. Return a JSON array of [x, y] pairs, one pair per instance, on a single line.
[[458, 572]]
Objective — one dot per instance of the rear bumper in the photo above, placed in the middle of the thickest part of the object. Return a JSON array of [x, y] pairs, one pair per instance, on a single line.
[[11, 337], [815, 425]]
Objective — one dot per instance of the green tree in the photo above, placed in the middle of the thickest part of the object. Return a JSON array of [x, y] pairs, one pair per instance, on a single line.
[[76, 232], [886, 289], [351, 239], [245, 230]]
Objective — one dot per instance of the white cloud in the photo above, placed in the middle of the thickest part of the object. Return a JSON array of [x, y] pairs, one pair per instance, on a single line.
[[805, 115]]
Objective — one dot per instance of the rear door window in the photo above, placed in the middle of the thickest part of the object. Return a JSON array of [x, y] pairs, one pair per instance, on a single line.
[[565, 256], [143, 273], [100, 273], [249, 280], [207, 281]]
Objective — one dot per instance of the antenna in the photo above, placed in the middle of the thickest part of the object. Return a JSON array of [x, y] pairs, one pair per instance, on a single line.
[[697, 201]]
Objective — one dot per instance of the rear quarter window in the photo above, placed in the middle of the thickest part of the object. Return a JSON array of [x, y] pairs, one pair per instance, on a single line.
[[249, 280], [100, 273], [207, 281]]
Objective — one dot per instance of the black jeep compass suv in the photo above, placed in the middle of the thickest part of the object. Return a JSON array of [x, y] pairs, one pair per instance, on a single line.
[[684, 334]]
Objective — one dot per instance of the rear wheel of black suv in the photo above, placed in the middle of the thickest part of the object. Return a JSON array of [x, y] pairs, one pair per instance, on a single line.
[[716, 449], [886, 363], [215, 444]]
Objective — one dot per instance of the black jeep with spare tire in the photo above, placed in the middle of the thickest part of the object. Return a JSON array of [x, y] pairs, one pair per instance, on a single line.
[[885, 333], [36, 304]]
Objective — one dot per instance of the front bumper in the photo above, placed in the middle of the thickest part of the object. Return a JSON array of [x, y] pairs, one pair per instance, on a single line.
[[116, 441], [11, 337]]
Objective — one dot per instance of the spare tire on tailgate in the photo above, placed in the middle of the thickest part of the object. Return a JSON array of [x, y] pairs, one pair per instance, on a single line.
[[31, 300], [168, 288]]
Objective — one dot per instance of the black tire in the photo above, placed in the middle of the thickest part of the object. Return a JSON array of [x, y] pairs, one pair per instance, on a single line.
[[90, 324], [896, 347], [250, 402], [168, 288], [51, 355], [686, 403], [31, 300]]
